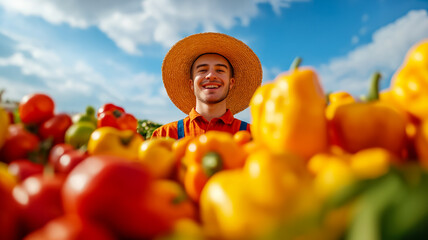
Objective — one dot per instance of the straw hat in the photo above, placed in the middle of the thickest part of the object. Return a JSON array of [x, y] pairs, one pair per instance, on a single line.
[[177, 63]]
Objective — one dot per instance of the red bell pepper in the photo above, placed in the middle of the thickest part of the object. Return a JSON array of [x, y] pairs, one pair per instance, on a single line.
[[115, 116]]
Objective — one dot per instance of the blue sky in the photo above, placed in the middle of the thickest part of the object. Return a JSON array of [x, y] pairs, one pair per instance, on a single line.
[[84, 52]]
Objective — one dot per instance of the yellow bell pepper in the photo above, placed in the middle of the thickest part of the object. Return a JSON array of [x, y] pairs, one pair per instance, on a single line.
[[418, 55], [158, 156], [274, 179], [409, 84], [410, 90], [226, 212], [360, 125], [288, 115], [4, 124], [371, 163], [248, 203], [331, 173], [7, 179], [115, 142]]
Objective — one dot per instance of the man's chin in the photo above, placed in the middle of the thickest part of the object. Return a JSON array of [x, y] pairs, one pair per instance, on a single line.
[[212, 101]]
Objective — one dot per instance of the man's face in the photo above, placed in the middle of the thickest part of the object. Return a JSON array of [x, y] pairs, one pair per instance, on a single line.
[[211, 78]]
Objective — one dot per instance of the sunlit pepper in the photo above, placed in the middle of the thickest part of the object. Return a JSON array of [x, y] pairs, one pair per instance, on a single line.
[[409, 84], [274, 179], [158, 156], [371, 162], [226, 213], [360, 125], [115, 142], [336, 99], [288, 115], [179, 148], [115, 116], [208, 154], [4, 124], [7, 179]]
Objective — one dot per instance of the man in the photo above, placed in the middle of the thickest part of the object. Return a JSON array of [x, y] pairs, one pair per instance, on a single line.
[[210, 77]]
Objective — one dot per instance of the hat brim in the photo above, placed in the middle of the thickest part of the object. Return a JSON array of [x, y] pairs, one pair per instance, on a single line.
[[177, 63]]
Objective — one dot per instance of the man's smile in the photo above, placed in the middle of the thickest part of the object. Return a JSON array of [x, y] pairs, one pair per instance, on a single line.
[[211, 85]]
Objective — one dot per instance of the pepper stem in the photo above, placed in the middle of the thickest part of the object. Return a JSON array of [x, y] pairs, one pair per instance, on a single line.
[[296, 63], [211, 163], [126, 140], [373, 94]]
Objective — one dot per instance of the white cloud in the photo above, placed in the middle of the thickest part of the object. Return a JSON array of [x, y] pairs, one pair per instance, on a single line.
[[76, 85], [384, 53], [133, 23]]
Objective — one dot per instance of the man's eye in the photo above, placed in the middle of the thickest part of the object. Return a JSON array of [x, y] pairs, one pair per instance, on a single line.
[[220, 70]]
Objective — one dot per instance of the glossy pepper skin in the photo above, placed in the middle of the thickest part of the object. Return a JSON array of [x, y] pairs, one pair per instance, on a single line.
[[157, 155], [208, 154], [409, 85], [114, 116], [274, 178], [247, 203], [289, 114], [360, 125], [225, 211], [115, 142]]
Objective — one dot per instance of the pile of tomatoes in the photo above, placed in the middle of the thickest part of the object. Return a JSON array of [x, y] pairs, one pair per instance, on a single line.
[[53, 189]]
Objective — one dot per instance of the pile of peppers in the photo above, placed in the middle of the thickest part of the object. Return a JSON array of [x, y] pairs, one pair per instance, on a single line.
[[315, 166]]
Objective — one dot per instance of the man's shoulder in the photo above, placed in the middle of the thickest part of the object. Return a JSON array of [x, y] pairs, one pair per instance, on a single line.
[[167, 127], [166, 130]]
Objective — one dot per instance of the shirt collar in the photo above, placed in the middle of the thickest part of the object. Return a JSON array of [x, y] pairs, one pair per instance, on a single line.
[[227, 117]]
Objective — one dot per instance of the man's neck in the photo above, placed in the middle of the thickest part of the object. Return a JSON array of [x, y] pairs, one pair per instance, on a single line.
[[210, 111]]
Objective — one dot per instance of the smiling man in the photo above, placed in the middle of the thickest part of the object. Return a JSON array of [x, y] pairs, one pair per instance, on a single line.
[[210, 77]]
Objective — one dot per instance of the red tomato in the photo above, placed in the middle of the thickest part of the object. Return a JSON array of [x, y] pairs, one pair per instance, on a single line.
[[8, 214], [57, 151], [109, 107], [70, 227], [55, 127], [110, 191], [39, 201], [18, 144], [69, 160], [36, 108], [23, 168]]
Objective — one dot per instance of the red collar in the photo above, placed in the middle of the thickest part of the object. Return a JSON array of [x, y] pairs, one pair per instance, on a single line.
[[227, 117]]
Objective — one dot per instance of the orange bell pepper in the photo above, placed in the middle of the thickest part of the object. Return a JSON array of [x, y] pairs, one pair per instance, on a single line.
[[179, 149], [360, 125], [336, 99], [208, 154], [289, 114]]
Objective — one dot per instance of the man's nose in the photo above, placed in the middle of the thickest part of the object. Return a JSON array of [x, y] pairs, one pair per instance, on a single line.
[[211, 75]]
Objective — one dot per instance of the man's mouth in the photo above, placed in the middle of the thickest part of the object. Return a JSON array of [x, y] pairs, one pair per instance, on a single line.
[[211, 86]]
